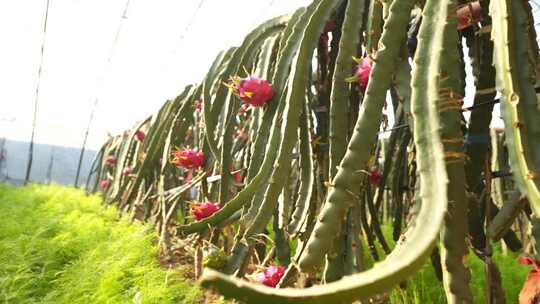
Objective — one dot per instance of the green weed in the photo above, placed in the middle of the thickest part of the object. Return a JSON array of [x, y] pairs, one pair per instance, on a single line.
[[59, 246]]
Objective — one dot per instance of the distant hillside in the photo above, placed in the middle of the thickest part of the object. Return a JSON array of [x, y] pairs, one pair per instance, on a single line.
[[63, 169]]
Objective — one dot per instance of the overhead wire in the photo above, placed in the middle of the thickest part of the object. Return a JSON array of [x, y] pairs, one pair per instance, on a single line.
[[101, 83], [187, 27], [177, 45], [36, 99]]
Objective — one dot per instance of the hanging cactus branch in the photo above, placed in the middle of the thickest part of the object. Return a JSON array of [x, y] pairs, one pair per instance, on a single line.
[[281, 169]]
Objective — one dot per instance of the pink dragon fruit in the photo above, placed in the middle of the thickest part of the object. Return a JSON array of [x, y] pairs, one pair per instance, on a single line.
[[237, 174], [203, 210], [188, 158], [139, 135], [469, 14], [375, 176], [271, 275], [328, 27], [252, 90], [110, 160], [531, 289], [363, 71], [104, 184], [198, 105], [127, 170]]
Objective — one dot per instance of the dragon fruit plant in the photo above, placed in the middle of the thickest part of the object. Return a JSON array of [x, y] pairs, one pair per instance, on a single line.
[[307, 170]]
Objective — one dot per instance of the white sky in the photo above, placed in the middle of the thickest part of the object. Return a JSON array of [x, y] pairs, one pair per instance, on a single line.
[[151, 62]]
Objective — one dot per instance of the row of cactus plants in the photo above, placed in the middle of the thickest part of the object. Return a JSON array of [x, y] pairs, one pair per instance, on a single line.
[[279, 168]]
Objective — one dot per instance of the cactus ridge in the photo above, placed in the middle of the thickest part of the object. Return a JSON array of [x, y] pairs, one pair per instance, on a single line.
[[514, 97], [348, 176]]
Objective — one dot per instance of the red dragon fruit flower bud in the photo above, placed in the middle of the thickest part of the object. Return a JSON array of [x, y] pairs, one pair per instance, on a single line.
[[104, 184], [469, 14], [127, 170], [375, 176], [363, 71], [328, 27], [252, 90], [188, 158], [139, 135], [203, 210], [237, 174], [110, 160], [531, 289], [198, 105], [244, 109], [271, 275]]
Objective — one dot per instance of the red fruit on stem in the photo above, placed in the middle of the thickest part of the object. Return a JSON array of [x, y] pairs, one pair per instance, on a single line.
[[271, 275], [243, 109], [375, 176], [203, 210], [188, 177], [237, 174], [127, 170], [363, 71], [253, 90], [499, 130], [469, 14], [104, 184], [139, 135], [530, 292], [328, 27], [110, 160], [198, 105], [188, 158]]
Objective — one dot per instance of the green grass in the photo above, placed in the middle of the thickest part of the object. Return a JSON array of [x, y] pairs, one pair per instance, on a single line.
[[59, 246], [424, 287]]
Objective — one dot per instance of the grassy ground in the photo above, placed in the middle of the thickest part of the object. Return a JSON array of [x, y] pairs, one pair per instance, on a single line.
[[59, 246]]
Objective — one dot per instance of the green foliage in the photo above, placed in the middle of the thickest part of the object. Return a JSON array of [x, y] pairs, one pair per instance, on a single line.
[[59, 246], [424, 287]]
